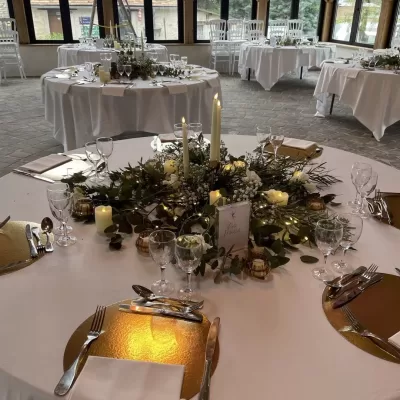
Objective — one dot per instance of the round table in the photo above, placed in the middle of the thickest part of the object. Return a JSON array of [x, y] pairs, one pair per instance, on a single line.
[[81, 112], [360, 89], [275, 340], [271, 63], [71, 54]]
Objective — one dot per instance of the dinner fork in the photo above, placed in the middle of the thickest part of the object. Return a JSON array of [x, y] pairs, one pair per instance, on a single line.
[[67, 380], [41, 249], [357, 328]]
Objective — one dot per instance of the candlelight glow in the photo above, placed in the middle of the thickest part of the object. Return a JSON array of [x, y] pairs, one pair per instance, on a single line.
[[183, 120], [219, 103], [216, 96]]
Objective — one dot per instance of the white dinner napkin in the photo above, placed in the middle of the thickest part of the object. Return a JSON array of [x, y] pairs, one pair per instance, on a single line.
[[113, 379], [45, 163], [72, 167], [395, 340], [175, 87], [298, 143], [113, 90], [167, 137]]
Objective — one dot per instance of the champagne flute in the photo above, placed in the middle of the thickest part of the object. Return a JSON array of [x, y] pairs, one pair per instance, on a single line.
[[178, 131], [120, 70], [105, 147], [128, 70], [356, 167], [94, 157], [161, 69], [263, 136], [328, 235], [364, 191], [276, 142], [154, 69], [162, 248], [184, 61], [54, 188], [189, 251], [108, 58]]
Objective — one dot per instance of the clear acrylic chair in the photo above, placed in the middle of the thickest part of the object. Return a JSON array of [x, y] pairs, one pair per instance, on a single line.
[[219, 46], [254, 29], [278, 28], [295, 28]]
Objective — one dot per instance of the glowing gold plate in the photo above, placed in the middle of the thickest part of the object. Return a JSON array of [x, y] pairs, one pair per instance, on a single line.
[[14, 246], [375, 309], [148, 338], [296, 154]]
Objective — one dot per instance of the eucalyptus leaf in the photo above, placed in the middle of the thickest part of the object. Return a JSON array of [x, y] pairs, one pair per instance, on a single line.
[[134, 218], [235, 267], [277, 246], [334, 204], [328, 198], [294, 239], [125, 227], [277, 261], [139, 228], [214, 264], [309, 259], [111, 229]]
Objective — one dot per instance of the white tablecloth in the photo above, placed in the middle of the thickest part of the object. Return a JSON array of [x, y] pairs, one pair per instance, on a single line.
[[374, 96], [276, 342], [270, 64], [79, 113], [72, 55]]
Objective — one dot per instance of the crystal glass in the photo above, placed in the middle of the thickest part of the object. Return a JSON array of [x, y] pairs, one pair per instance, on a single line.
[[108, 58], [153, 56], [328, 235], [353, 226], [94, 157], [364, 191], [195, 129], [162, 249], [263, 136], [154, 69], [60, 202], [276, 142], [184, 61], [145, 41], [178, 131], [105, 146], [107, 41], [161, 69], [188, 251], [356, 167], [58, 187], [128, 70], [120, 70], [173, 58], [89, 68]]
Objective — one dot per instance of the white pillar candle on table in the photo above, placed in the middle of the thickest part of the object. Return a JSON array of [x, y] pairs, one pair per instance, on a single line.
[[103, 217], [185, 149], [215, 196], [218, 130], [213, 146]]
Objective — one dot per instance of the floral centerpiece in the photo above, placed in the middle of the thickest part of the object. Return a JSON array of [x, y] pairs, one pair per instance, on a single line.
[[388, 59]]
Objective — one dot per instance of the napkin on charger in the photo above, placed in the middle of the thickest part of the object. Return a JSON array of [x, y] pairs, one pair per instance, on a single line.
[[45, 163], [109, 378], [298, 143]]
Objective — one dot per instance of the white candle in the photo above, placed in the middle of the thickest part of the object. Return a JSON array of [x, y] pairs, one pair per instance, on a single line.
[[214, 125], [101, 75], [215, 197], [103, 217], [185, 149], [218, 131], [141, 39], [111, 30]]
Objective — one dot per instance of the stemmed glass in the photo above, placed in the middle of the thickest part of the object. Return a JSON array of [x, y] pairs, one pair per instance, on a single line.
[[107, 41], [94, 157], [154, 69], [354, 226], [276, 142], [120, 70], [178, 131], [89, 69], [128, 70], [173, 58], [108, 58], [188, 250], [105, 147], [60, 202], [328, 235], [263, 136], [184, 61], [358, 169], [54, 188], [161, 69], [153, 56], [162, 248], [364, 191], [195, 129]]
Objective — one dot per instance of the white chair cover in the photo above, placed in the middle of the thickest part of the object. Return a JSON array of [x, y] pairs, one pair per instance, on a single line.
[[295, 28]]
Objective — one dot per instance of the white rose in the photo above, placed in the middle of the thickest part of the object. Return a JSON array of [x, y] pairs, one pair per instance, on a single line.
[[253, 176], [170, 166], [310, 187], [299, 176], [205, 245], [276, 197]]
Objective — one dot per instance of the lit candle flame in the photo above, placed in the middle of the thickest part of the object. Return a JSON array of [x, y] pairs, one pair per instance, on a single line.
[[183, 120], [216, 96], [219, 103]]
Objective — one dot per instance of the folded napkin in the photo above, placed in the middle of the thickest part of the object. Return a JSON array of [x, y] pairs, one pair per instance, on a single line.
[[46, 163], [351, 72], [175, 87], [167, 137], [395, 340], [113, 90], [298, 143], [60, 172], [109, 378]]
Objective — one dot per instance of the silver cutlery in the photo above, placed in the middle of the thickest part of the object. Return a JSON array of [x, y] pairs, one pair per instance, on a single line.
[[39, 246], [47, 227], [357, 328], [32, 175], [67, 380], [397, 270], [130, 308], [74, 156], [2, 224], [32, 247], [174, 307], [340, 281], [210, 348]]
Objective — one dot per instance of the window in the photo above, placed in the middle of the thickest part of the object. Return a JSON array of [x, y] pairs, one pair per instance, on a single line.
[[279, 9], [356, 21], [309, 13], [396, 29], [165, 20], [136, 15], [240, 9], [5, 11], [206, 10]]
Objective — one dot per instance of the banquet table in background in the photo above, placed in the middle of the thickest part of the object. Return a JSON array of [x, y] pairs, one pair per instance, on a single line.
[[374, 96], [71, 54], [275, 340], [80, 113], [271, 63]]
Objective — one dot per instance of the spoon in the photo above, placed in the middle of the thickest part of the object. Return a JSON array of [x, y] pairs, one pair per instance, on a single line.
[[180, 308], [148, 295], [47, 227], [341, 281]]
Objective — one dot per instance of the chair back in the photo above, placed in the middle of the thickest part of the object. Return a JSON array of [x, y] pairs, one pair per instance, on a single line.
[[295, 28], [235, 29], [278, 27], [8, 30], [217, 29], [254, 29]]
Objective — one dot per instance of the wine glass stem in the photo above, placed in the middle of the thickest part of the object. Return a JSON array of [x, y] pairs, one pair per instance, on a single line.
[[189, 281], [275, 152], [325, 258], [96, 169], [64, 229], [163, 274], [262, 149], [106, 161], [361, 208]]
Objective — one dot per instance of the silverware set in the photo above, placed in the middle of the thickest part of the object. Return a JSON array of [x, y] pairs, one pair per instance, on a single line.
[[3, 223], [38, 248], [378, 208]]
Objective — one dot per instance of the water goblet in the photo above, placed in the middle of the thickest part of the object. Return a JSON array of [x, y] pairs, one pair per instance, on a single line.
[[195, 129], [128, 70], [328, 235], [276, 142], [153, 56], [154, 69], [94, 157], [188, 251], [161, 69], [364, 191], [178, 131], [54, 188], [184, 61], [162, 249], [263, 134], [108, 58], [89, 69], [105, 146], [120, 70], [356, 167]]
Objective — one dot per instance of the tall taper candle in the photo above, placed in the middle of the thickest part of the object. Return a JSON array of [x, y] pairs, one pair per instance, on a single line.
[[218, 131], [214, 125], [111, 30], [185, 149]]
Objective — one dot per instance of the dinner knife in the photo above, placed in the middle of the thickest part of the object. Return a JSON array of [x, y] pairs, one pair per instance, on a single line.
[[26, 173], [348, 296], [5, 222], [32, 247], [210, 347], [130, 308]]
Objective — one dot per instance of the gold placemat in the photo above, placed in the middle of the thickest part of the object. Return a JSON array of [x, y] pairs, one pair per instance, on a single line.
[[297, 154], [375, 309], [148, 338], [14, 245]]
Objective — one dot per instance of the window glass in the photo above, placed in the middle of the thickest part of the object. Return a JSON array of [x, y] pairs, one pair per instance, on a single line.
[[240, 9], [309, 13], [47, 20], [206, 10], [4, 12], [343, 20], [165, 20], [369, 18], [80, 19]]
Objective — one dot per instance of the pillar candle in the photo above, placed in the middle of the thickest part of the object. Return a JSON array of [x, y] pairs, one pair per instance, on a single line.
[[111, 30], [213, 146], [185, 149], [215, 196], [218, 131], [101, 75], [103, 218]]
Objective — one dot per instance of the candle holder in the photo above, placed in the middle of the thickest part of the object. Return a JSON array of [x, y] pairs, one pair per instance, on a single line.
[[83, 208], [142, 242], [257, 264], [316, 204]]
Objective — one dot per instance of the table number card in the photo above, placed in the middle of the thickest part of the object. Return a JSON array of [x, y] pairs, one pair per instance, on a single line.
[[233, 227]]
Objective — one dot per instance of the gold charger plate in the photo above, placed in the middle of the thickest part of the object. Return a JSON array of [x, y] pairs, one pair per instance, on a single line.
[[14, 245], [297, 154], [375, 309], [148, 338]]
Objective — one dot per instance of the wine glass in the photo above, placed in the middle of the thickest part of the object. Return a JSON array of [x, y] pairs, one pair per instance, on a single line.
[[120, 70], [153, 56], [356, 167], [173, 58], [195, 129], [154, 69], [178, 131], [54, 188], [353, 226], [263, 136], [89, 68], [145, 41], [94, 157], [364, 191], [328, 235], [184, 61], [276, 142], [161, 70], [162, 248], [105, 147], [128, 70], [60, 202], [188, 251]]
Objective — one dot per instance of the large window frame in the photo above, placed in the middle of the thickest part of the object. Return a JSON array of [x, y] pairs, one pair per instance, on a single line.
[[10, 9]]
